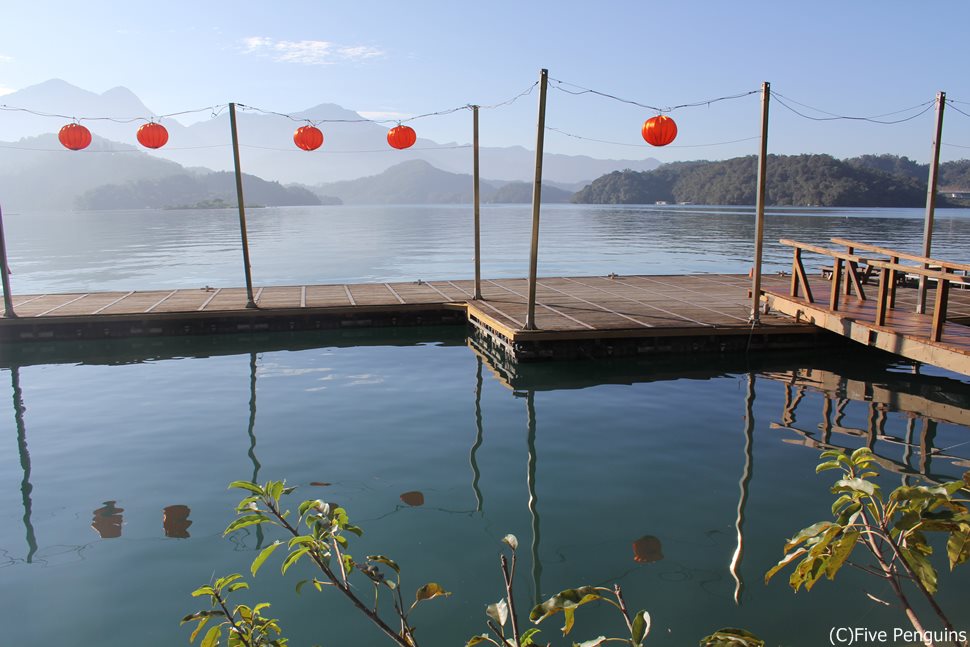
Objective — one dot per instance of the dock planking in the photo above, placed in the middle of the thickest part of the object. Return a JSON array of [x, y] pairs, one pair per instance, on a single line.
[[576, 316]]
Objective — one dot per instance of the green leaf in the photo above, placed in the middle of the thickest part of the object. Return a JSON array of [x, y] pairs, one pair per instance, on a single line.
[[526, 639], [242, 522], [203, 622], [511, 541], [246, 485], [861, 456], [921, 568], [259, 607], [292, 558], [641, 627], [958, 545], [222, 582], [200, 614], [840, 551], [568, 599], [212, 637], [499, 612], [203, 590], [474, 640], [428, 591], [348, 562], [785, 561], [237, 586], [732, 637], [828, 465], [806, 533], [387, 561], [595, 642], [274, 489], [850, 511], [856, 485], [263, 554], [300, 585]]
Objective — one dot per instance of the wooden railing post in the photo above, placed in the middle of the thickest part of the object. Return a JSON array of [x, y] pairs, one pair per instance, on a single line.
[[836, 279], [939, 307]]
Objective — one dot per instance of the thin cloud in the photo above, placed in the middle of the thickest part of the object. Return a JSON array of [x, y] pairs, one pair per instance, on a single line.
[[6, 59], [5, 90], [309, 52]]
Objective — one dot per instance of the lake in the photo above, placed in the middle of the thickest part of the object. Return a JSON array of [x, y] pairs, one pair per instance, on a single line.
[[647, 473]]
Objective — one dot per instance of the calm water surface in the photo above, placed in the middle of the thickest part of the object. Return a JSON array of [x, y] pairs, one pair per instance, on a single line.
[[647, 473]]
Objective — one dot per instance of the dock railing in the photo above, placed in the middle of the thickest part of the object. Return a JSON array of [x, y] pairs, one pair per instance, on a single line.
[[890, 264]]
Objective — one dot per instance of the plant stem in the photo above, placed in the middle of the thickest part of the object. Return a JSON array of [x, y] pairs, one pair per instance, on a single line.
[[231, 619], [341, 586], [509, 574], [618, 592]]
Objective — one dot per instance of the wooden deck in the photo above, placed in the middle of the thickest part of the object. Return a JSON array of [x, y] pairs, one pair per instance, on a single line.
[[576, 316], [905, 333]]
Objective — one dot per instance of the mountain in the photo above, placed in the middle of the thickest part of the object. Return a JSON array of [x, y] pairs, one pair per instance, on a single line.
[[418, 182], [353, 146], [803, 180]]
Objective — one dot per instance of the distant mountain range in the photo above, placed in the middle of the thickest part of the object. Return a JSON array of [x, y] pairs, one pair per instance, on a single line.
[[352, 148]]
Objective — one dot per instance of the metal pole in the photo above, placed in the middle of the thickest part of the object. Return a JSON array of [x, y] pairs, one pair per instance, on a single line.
[[5, 275], [477, 201], [530, 320], [250, 303], [759, 233], [931, 198]]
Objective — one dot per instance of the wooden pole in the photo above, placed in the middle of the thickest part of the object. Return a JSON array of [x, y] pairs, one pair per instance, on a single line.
[[250, 303], [759, 233], [5, 275], [477, 200], [931, 198], [530, 320]]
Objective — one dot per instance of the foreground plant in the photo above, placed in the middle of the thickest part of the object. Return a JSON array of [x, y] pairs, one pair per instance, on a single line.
[[892, 529], [319, 536]]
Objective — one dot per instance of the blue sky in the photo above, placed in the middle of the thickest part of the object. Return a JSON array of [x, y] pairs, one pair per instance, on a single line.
[[860, 58]]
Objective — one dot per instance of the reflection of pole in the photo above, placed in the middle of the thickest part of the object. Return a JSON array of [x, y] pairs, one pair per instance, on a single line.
[[478, 438], [931, 199], [250, 303], [530, 319], [908, 451], [759, 224], [5, 275], [252, 435], [477, 208], [531, 440], [25, 487], [743, 483], [926, 445]]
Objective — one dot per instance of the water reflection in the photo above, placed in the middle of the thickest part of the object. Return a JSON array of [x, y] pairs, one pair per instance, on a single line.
[[413, 499], [25, 486], [744, 484], [108, 520], [647, 549], [175, 521]]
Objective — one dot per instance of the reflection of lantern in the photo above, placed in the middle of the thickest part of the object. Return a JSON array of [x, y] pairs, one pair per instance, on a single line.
[[152, 135], [309, 138], [108, 519], [175, 521], [413, 499], [659, 130], [74, 136], [401, 137], [647, 549]]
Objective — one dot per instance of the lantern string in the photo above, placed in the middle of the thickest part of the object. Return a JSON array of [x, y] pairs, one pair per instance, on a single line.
[[876, 119], [583, 90], [374, 150], [604, 141], [954, 145], [215, 110]]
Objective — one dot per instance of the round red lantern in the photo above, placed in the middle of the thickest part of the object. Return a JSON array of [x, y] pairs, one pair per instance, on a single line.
[[659, 130], [309, 138], [401, 137], [152, 135], [74, 136]]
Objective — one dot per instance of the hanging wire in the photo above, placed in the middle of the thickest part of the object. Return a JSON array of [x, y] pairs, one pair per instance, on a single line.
[[923, 108], [375, 150], [583, 90], [605, 141], [214, 110], [955, 145], [61, 149], [953, 107]]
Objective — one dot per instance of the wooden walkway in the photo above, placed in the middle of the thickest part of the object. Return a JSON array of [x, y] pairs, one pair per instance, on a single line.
[[576, 316], [904, 333]]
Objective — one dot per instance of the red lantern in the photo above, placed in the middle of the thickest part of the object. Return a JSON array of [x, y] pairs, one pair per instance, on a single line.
[[152, 135], [309, 138], [401, 137], [74, 136], [659, 130]]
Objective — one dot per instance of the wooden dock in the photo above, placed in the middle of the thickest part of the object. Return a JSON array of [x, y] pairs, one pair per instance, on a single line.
[[576, 316]]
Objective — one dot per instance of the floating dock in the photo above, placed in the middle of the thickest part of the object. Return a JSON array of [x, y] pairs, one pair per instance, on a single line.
[[576, 316]]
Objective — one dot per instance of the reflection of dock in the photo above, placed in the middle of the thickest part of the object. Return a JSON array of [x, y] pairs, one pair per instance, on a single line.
[[576, 317]]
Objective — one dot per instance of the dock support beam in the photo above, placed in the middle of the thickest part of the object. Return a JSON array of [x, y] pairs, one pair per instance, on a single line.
[[931, 198], [477, 202], [5, 275], [759, 220], [530, 320], [250, 302]]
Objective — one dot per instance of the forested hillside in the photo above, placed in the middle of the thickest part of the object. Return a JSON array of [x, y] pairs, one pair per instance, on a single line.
[[797, 180]]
